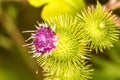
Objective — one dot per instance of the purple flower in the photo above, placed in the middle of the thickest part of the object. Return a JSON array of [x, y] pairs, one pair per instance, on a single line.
[[44, 40]]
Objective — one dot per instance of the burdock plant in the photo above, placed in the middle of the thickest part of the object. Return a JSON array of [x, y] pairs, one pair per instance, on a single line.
[[62, 44], [99, 25]]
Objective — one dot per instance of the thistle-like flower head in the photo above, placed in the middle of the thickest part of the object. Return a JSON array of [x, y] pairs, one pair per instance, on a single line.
[[44, 39], [67, 61], [99, 25]]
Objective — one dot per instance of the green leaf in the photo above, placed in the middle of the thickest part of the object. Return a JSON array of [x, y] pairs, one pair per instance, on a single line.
[[38, 3], [77, 4], [56, 7]]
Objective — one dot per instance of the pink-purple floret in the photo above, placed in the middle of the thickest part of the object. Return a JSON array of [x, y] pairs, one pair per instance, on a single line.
[[44, 40]]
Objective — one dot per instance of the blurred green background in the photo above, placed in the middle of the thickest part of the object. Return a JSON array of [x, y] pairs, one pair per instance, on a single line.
[[18, 15]]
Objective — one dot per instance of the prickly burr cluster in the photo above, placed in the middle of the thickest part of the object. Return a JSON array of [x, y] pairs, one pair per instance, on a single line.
[[62, 45]]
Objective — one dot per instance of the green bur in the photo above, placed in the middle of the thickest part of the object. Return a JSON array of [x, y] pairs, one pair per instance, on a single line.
[[99, 25], [67, 60]]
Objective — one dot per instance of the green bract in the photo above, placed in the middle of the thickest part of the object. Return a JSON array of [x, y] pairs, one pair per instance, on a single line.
[[67, 60], [99, 26]]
